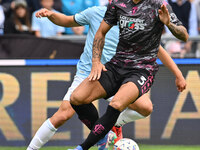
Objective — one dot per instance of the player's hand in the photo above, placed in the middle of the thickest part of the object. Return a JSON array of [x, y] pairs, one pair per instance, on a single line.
[[95, 73], [43, 13], [180, 83], [164, 15]]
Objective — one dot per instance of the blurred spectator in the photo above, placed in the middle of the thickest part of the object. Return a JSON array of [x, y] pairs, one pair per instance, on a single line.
[[2, 18], [43, 27], [103, 2], [186, 13], [197, 4], [35, 5], [175, 49], [19, 22], [71, 7], [78, 30], [5, 1], [58, 5], [8, 7]]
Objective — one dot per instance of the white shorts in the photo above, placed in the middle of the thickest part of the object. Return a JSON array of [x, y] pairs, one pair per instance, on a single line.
[[77, 80]]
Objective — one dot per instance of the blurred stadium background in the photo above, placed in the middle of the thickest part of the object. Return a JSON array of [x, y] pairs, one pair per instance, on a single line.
[[31, 90], [35, 73]]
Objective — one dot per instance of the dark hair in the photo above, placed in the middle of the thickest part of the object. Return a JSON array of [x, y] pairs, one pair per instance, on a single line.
[[26, 19]]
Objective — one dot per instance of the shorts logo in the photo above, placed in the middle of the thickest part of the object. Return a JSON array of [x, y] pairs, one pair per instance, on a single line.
[[142, 80], [98, 129]]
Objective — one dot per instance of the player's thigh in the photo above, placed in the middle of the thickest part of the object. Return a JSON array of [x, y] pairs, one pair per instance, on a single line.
[[126, 94], [87, 92], [142, 105]]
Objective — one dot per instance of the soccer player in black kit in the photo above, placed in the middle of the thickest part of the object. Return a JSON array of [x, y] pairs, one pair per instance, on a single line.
[[130, 73]]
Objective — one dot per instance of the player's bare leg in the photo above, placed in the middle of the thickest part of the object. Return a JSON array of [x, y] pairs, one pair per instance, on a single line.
[[140, 109], [49, 127], [81, 101], [142, 105], [87, 92], [64, 113], [127, 94]]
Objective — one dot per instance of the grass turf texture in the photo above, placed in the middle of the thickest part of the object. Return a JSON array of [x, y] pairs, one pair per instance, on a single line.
[[142, 147]]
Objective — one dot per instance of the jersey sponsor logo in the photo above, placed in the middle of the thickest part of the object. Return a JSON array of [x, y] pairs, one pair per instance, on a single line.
[[132, 23]]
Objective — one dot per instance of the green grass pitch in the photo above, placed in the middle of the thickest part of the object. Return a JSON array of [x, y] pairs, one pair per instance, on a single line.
[[142, 147]]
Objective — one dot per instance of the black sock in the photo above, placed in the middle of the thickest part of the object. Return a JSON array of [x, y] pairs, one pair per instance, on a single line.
[[102, 126], [87, 113]]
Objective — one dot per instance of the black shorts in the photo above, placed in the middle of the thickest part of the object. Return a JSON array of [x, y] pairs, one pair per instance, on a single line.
[[112, 79]]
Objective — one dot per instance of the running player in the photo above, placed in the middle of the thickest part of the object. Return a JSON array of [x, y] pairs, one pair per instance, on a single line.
[[130, 73], [92, 16]]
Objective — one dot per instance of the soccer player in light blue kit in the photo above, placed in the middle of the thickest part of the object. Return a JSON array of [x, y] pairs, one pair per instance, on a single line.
[[93, 17]]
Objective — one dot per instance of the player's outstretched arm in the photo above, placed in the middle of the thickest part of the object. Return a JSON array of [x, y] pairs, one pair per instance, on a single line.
[[169, 63], [97, 49], [57, 18], [179, 32]]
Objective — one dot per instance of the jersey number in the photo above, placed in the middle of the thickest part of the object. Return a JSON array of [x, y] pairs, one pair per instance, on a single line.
[[142, 80]]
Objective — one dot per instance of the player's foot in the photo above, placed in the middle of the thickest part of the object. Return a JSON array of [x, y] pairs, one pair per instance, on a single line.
[[78, 148], [30, 148], [118, 132], [104, 143], [111, 137]]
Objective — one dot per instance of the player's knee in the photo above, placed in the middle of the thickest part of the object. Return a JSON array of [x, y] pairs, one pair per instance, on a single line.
[[66, 114], [58, 121], [64, 117], [75, 99], [147, 111], [60, 117]]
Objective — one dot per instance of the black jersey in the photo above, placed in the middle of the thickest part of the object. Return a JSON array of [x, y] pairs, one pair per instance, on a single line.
[[140, 32]]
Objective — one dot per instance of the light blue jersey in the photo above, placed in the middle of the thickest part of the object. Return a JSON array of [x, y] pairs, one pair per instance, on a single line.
[[93, 17]]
